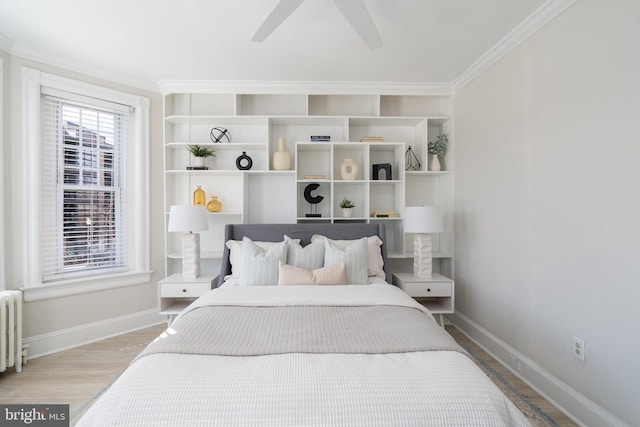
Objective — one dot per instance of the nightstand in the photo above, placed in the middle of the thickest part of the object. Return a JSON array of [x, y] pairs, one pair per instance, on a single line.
[[436, 294], [175, 293]]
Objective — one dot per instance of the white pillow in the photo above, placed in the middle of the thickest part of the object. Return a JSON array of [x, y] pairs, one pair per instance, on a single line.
[[329, 275], [310, 257], [235, 254], [353, 254], [375, 263], [260, 266]]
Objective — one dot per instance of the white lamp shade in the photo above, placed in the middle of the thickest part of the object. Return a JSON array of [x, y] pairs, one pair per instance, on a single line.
[[188, 218], [422, 219]]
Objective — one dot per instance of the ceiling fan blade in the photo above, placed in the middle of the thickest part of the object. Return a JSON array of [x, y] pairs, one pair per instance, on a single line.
[[279, 13], [356, 13]]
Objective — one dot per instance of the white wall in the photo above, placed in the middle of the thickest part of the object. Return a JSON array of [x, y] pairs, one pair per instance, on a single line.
[[548, 202], [67, 321]]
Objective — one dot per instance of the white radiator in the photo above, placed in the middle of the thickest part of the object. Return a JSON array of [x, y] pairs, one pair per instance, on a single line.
[[11, 352]]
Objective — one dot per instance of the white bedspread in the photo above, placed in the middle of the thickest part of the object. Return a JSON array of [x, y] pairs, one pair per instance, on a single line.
[[435, 388]]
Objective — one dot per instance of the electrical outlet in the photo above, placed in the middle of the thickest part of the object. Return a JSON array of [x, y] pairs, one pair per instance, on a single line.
[[579, 350]]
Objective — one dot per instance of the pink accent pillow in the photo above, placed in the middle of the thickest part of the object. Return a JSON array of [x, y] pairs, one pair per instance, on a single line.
[[331, 275]]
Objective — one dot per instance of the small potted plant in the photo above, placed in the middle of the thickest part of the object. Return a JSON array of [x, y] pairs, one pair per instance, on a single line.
[[347, 207], [200, 152], [437, 149]]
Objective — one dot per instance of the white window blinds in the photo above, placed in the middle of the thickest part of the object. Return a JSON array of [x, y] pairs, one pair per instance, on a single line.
[[83, 200]]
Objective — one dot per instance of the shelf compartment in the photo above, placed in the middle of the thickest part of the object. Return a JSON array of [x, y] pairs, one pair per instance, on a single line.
[[323, 208], [358, 152], [344, 105], [272, 105], [356, 191], [414, 105], [185, 104], [313, 159], [300, 129]]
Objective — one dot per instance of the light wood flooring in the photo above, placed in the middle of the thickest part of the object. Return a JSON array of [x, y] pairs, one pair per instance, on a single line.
[[76, 376]]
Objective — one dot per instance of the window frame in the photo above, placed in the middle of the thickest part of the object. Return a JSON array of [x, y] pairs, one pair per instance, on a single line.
[[3, 276], [137, 184]]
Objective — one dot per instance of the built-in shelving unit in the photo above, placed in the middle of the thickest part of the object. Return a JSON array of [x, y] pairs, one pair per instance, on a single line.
[[255, 122]]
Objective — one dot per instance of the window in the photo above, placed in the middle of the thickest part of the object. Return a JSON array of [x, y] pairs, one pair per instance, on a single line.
[[87, 204], [2, 239], [83, 232]]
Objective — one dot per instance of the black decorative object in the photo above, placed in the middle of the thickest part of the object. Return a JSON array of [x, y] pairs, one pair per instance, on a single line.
[[217, 134], [386, 167], [313, 200], [411, 161], [244, 162]]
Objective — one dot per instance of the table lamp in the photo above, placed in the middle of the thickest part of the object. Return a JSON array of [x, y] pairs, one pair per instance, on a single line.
[[187, 219], [422, 220]]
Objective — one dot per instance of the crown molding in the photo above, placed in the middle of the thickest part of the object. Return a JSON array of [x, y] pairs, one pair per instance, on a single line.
[[533, 23], [302, 87], [85, 69]]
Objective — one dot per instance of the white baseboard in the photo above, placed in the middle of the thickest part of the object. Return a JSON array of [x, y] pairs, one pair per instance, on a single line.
[[53, 342], [575, 405]]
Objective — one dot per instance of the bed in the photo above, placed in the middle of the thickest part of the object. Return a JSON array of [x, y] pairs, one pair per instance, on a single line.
[[304, 353]]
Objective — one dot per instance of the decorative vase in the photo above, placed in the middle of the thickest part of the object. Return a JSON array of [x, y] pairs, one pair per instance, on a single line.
[[214, 205], [281, 158], [244, 162], [347, 212], [199, 162], [435, 163], [349, 169], [199, 198]]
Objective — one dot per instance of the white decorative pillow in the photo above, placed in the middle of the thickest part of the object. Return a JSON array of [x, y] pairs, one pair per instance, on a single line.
[[329, 275], [310, 257], [375, 262], [354, 255], [260, 266], [235, 254]]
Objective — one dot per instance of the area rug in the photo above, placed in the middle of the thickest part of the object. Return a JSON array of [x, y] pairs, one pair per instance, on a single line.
[[536, 415]]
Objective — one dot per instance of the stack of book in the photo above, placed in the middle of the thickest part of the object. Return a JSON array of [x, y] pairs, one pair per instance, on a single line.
[[372, 139], [320, 138], [384, 214], [197, 168], [315, 177]]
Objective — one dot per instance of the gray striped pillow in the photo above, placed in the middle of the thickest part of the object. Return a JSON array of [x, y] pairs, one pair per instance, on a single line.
[[353, 254], [310, 257], [259, 265]]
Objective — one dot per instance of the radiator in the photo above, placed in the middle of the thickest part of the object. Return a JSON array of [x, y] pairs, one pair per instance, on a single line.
[[11, 350]]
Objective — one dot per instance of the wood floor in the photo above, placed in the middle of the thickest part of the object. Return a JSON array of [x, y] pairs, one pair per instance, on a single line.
[[76, 376]]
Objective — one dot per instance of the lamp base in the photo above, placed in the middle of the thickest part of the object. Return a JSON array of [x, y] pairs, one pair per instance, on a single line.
[[190, 255], [422, 259]]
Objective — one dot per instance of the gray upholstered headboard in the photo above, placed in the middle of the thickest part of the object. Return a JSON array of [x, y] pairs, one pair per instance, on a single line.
[[276, 232]]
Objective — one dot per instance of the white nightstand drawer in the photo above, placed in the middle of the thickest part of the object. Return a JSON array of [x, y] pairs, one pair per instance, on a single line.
[[184, 289], [422, 289]]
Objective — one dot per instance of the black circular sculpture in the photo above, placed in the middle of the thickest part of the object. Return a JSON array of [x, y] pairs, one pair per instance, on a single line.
[[218, 134], [313, 200], [244, 162]]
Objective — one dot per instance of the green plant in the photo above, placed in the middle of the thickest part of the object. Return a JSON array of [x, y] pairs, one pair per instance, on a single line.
[[200, 151], [347, 204], [439, 146]]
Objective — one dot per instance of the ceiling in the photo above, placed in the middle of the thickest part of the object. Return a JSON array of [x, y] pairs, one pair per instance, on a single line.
[[148, 41]]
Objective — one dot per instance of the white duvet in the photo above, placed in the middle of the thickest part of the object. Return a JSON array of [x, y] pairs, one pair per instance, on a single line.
[[436, 388]]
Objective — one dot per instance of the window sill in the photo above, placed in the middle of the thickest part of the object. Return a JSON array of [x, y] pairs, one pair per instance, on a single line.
[[85, 285]]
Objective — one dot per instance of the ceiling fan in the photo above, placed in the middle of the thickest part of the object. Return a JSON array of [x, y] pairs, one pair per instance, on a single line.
[[353, 10]]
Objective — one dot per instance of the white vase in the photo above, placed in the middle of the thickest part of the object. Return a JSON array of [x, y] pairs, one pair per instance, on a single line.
[[347, 212], [349, 169], [435, 163], [281, 158], [199, 162]]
